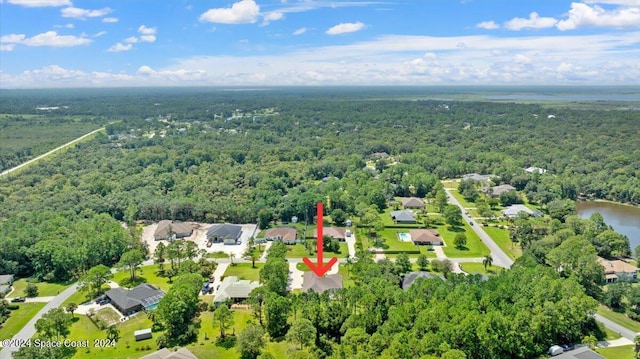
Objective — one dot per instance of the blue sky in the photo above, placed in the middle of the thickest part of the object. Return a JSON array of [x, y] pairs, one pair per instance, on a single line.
[[99, 43]]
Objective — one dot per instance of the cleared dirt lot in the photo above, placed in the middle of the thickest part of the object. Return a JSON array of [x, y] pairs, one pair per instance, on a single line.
[[199, 236]]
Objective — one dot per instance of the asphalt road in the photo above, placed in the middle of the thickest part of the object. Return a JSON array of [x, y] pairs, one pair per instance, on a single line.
[[499, 257], [29, 330], [624, 332]]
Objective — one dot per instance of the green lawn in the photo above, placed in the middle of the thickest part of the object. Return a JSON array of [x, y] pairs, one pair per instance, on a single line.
[[450, 184], [78, 297], [388, 221], [84, 329], [473, 268], [611, 335], [18, 318], [393, 243], [218, 255], [298, 251], [44, 289], [619, 318], [347, 281], [623, 352], [146, 274], [303, 267], [474, 249], [461, 199], [501, 237], [244, 271]]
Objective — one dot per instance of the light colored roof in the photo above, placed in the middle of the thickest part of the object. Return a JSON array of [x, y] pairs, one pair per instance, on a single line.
[[333, 232], [579, 353], [425, 235], [6, 278], [410, 278], [477, 177], [229, 231], [180, 229], [142, 331], [412, 202], [321, 284], [403, 216], [514, 210], [232, 288], [533, 169], [164, 353], [616, 266], [498, 190], [282, 233]]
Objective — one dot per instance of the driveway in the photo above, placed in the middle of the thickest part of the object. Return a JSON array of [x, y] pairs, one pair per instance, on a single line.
[[499, 257], [351, 244], [295, 276]]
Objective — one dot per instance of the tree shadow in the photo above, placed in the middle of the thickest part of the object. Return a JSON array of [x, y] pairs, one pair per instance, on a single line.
[[462, 248], [456, 229], [127, 282]]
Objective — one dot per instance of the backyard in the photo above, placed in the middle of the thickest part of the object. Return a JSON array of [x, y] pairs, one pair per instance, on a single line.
[[474, 248], [244, 271], [19, 318], [473, 268], [146, 274], [44, 289]]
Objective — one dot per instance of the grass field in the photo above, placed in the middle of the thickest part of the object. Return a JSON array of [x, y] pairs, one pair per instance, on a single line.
[[474, 249], [244, 271], [44, 289], [619, 318], [146, 274], [623, 352], [473, 268], [218, 255], [461, 199], [19, 318], [501, 237]]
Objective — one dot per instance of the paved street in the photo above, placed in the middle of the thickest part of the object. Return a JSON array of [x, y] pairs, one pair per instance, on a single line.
[[499, 257]]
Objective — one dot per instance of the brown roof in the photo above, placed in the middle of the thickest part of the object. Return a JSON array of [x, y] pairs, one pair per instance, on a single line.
[[180, 229], [616, 266], [425, 235], [321, 284], [164, 353], [333, 232], [282, 233], [412, 202]]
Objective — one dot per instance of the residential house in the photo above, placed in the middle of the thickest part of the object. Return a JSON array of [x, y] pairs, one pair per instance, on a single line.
[[130, 301], [6, 280], [234, 289], [534, 169], [514, 210], [164, 353], [616, 270], [171, 230], [579, 353], [410, 278], [311, 281], [288, 235], [224, 233], [412, 203], [496, 191], [426, 237], [477, 177], [403, 216], [379, 155], [333, 232]]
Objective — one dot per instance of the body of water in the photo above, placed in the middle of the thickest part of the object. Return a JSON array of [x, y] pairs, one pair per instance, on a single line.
[[623, 219]]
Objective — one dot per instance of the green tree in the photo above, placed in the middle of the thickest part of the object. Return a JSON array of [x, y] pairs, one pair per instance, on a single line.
[[95, 278], [487, 261], [31, 290], [577, 258], [251, 341], [453, 215], [561, 208], [441, 201], [276, 310], [131, 261], [509, 197], [55, 324], [178, 308], [223, 319], [113, 333], [264, 218], [423, 262], [159, 256], [301, 332], [338, 216], [613, 297], [71, 307], [403, 263], [460, 240]]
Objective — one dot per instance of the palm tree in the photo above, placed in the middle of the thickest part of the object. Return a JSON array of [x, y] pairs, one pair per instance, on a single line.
[[231, 256], [487, 261], [113, 333]]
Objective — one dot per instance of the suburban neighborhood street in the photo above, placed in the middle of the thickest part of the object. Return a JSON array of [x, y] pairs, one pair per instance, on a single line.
[[499, 257]]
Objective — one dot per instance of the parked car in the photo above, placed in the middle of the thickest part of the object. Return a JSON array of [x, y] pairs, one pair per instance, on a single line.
[[471, 223], [19, 299], [555, 350], [567, 347]]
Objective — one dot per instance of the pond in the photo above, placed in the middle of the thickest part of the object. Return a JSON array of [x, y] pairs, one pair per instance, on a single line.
[[623, 219]]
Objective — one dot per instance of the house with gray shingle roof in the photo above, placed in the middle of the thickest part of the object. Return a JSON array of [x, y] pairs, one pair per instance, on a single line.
[[477, 177], [410, 278], [514, 210], [6, 280], [164, 353], [234, 289], [177, 229], [224, 233], [426, 237], [311, 281], [496, 191], [403, 216], [333, 232], [412, 202], [129, 301], [286, 234]]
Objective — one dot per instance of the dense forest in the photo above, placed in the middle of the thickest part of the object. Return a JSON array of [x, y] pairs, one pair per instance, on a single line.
[[238, 156]]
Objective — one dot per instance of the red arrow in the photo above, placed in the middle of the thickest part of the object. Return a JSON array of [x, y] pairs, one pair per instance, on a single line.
[[320, 269]]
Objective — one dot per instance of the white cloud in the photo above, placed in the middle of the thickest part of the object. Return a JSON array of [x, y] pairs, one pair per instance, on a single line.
[[583, 15], [533, 22], [345, 27], [272, 16], [49, 38], [7, 47], [521, 59], [131, 40], [78, 13], [110, 19], [614, 2], [488, 25], [40, 3], [300, 31], [118, 47], [101, 33], [147, 34], [242, 12]]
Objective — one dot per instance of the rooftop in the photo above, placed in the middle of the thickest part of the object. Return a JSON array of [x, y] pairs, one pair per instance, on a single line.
[[233, 288], [321, 284], [225, 231], [616, 266], [403, 216], [425, 235], [333, 232], [143, 294], [410, 278], [412, 202], [282, 233], [164, 353], [180, 229]]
